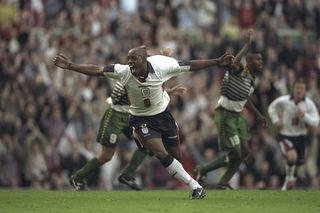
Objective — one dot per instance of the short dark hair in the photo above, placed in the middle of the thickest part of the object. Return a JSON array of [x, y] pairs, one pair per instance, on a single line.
[[141, 51], [299, 81]]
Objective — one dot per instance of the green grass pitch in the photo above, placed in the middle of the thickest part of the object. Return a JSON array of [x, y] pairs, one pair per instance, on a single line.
[[154, 201]]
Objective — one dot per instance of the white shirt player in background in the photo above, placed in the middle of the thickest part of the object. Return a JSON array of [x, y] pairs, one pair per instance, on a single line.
[[154, 126], [292, 115]]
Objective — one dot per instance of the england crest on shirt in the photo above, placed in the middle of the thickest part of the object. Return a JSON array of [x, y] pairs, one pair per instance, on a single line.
[[145, 91], [144, 129]]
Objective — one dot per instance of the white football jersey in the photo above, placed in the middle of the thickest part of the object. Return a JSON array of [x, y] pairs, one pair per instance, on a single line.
[[285, 108], [149, 97]]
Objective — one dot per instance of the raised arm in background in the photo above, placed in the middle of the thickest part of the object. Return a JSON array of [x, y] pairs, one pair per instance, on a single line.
[[244, 50]]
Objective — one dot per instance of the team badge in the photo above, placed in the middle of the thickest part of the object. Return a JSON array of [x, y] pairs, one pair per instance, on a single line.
[[145, 129], [145, 92]]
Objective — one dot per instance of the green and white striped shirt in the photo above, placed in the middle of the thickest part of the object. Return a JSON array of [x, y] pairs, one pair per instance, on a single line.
[[236, 87], [119, 99]]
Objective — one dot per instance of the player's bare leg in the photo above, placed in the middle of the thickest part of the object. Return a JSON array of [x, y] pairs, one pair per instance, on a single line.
[[174, 152]]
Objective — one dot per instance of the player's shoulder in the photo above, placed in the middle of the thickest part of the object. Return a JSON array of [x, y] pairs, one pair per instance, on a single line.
[[284, 98], [308, 100], [121, 66], [160, 59]]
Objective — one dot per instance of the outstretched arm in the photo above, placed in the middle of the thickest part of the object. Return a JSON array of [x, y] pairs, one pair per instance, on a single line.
[[244, 50], [89, 69], [223, 60]]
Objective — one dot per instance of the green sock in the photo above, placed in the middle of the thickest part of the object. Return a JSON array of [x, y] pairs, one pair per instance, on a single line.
[[136, 160], [220, 161], [89, 167], [231, 170]]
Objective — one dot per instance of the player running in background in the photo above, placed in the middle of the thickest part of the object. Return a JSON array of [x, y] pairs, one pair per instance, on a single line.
[[152, 123], [292, 114], [233, 135]]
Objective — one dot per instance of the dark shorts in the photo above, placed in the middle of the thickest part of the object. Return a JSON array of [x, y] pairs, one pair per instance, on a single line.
[[112, 124], [161, 126], [296, 142]]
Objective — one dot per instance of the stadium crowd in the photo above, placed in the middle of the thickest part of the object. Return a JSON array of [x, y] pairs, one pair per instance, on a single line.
[[49, 118]]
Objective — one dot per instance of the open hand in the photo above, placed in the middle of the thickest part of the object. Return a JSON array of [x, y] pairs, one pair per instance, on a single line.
[[61, 61], [177, 90], [166, 52], [250, 36], [300, 112], [226, 59]]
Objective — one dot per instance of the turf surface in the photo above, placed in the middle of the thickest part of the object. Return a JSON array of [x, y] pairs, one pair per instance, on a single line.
[[153, 201]]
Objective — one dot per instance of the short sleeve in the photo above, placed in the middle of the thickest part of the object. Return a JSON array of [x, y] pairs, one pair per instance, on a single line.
[[168, 67], [117, 71]]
